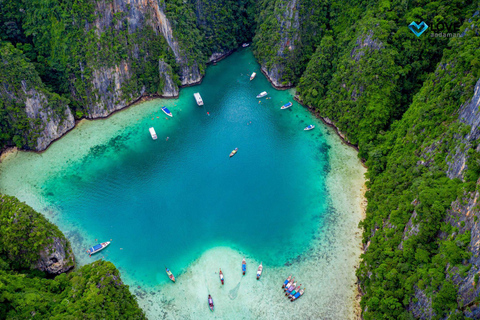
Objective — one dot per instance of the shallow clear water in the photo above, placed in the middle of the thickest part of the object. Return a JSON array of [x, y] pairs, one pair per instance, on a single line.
[[289, 198]]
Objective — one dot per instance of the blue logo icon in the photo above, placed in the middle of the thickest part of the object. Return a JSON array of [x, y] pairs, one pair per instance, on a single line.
[[418, 29]]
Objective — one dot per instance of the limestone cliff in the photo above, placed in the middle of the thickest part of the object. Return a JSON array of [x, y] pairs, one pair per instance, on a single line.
[[29, 241]]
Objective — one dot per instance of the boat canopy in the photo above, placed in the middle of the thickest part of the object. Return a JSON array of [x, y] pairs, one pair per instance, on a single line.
[[95, 248], [166, 110]]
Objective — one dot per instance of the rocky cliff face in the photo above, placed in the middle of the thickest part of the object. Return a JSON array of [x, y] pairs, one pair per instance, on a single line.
[[29, 241], [56, 258], [288, 21]]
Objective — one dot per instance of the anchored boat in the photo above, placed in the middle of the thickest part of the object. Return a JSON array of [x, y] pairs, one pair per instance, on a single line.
[[294, 291], [244, 266], [262, 94], [298, 295], [233, 152], [259, 271], [221, 276], [198, 98], [167, 112], [152, 133], [210, 302], [170, 274], [98, 247], [287, 105], [252, 76], [310, 127], [286, 281]]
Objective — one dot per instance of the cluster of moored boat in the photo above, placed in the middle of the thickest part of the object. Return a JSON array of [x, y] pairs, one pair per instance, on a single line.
[[222, 278], [292, 291], [285, 106]]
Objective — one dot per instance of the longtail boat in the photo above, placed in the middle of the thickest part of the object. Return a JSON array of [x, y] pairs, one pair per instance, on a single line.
[[298, 295], [259, 271], [221, 276], [290, 289], [286, 281], [289, 284], [210, 302], [170, 274], [244, 266], [233, 152], [294, 291]]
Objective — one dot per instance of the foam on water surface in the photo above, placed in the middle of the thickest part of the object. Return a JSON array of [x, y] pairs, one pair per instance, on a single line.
[[289, 198]]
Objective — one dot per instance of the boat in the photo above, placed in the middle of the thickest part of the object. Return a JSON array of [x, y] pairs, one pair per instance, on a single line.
[[259, 271], [287, 105], [262, 94], [294, 291], [233, 152], [286, 281], [152, 133], [210, 302], [310, 127], [98, 247], [167, 112], [221, 276], [198, 98], [290, 289], [289, 284], [252, 76], [170, 274], [298, 295], [245, 45], [244, 266]]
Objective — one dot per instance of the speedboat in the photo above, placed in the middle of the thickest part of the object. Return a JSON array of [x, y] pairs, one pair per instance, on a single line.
[[244, 266], [252, 76], [310, 127], [259, 271], [262, 94], [221, 276], [167, 112], [152, 133], [170, 274], [287, 105], [245, 45], [233, 152], [210, 302], [98, 247]]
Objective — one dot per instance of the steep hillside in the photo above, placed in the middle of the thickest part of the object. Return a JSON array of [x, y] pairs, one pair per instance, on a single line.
[[32, 248], [98, 56]]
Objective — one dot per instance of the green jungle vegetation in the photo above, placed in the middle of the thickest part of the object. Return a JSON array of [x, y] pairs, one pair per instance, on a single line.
[[393, 94], [92, 292]]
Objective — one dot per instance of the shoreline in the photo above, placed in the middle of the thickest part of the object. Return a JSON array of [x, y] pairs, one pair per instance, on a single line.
[[5, 152]]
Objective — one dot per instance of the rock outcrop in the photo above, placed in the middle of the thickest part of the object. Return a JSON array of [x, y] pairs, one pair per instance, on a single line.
[[170, 89], [56, 258], [29, 241], [53, 125]]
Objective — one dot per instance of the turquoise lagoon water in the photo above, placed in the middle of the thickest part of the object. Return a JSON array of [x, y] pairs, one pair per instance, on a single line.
[[289, 198]]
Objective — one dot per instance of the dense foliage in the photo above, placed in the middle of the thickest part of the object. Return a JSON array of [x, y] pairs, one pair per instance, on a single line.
[[397, 97], [23, 233], [94, 291]]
